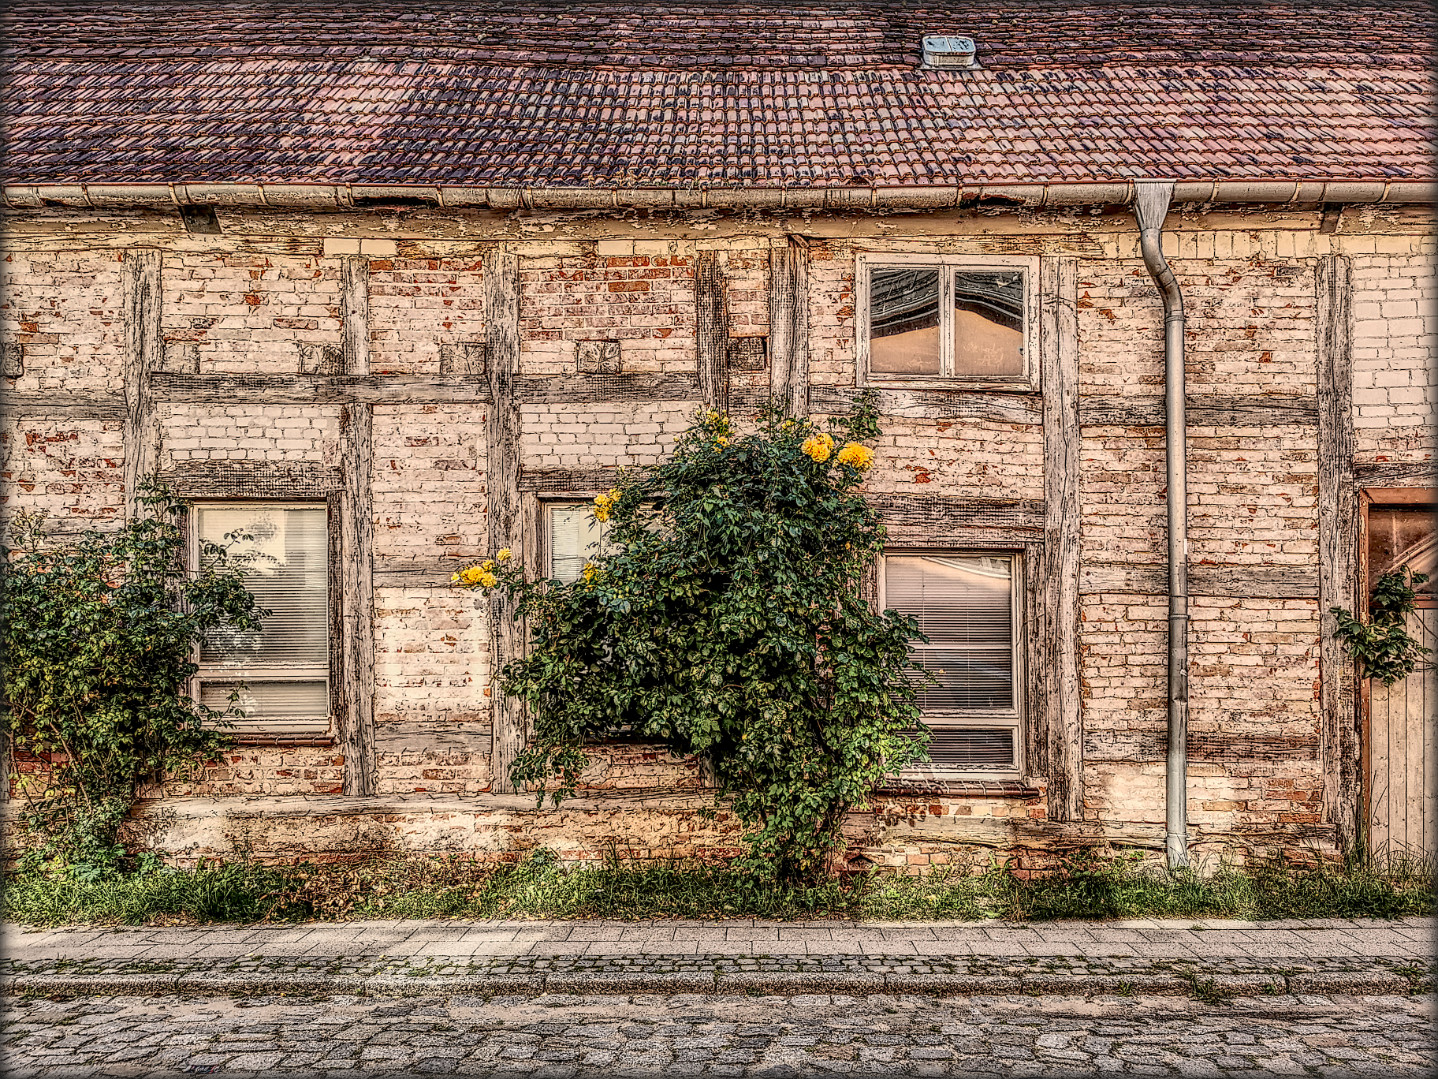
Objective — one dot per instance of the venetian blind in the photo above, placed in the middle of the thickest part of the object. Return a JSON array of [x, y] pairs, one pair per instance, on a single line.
[[574, 538], [964, 605]]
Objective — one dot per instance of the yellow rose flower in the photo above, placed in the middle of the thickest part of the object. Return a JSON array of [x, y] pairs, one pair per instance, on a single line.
[[487, 565], [722, 440], [856, 455], [504, 555], [470, 575], [487, 580], [819, 447]]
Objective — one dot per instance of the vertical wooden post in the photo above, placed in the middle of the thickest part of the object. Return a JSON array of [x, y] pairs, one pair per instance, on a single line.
[[502, 431], [144, 354], [1058, 348], [357, 539], [1337, 547], [789, 324], [711, 313]]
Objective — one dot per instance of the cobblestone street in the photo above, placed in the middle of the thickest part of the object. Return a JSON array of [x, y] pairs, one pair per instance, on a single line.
[[572, 1035]]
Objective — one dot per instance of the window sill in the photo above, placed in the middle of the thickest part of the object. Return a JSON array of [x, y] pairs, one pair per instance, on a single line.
[[955, 383], [282, 738], [972, 787]]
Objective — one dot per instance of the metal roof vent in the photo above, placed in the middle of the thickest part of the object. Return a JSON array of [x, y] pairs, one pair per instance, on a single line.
[[947, 51]]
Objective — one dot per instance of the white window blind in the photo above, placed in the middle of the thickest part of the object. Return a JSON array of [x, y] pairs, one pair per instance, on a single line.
[[281, 671], [575, 537], [964, 604]]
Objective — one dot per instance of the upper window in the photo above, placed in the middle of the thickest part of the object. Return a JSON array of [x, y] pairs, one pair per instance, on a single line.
[[573, 537], [965, 603], [944, 320], [1403, 535], [281, 672]]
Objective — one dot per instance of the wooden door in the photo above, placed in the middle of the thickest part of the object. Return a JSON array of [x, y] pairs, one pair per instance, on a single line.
[[1400, 720], [1403, 761]]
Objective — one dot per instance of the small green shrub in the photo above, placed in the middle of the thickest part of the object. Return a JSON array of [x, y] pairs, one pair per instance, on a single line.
[[1383, 645]]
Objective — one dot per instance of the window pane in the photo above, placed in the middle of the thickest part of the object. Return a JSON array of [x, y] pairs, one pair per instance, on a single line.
[[287, 551], [964, 605], [574, 538], [904, 322], [988, 323], [288, 704], [1402, 536], [958, 749]]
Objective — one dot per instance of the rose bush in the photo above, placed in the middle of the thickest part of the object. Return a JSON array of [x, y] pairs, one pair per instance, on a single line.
[[728, 620]]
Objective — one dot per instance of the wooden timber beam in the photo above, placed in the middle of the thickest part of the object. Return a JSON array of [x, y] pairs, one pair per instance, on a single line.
[[1203, 410], [789, 325], [143, 353], [356, 727], [1063, 698], [505, 509], [711, 331], [1339, 736]]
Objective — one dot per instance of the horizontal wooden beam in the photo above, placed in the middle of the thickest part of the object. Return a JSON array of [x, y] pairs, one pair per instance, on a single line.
[[251, 479], [1204, 410], [435, 572], [1259, 582], [560, 480], [604, 389], [317, 389], [63, 406], [930, 521], [1396, 473], [1147, 746], [934, 404]]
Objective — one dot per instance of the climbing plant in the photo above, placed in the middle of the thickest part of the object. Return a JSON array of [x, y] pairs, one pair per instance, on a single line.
[[1383, 645], [727, 620], [99, 631]]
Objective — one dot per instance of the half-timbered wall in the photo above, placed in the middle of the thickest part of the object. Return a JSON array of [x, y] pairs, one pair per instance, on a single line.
[[437, 383]]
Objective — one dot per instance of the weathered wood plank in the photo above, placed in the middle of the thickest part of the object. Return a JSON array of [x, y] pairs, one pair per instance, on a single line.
[[977, 405], [1337, 547], [63, 406], [1203, 410], [789, 324], [932, 521], [1016, 832], [356, 732], [1149, 746], [502, 434], [564, 480], [254, 479], [317, 389], [1396, 473], [1058, 353], [601, 389], [144, 352], [1259, 582], [711, 340]]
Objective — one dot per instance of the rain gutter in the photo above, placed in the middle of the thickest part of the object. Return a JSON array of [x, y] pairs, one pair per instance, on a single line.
[[900, 198]]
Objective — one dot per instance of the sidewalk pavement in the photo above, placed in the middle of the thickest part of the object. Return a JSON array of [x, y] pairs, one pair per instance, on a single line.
[[412, 958]]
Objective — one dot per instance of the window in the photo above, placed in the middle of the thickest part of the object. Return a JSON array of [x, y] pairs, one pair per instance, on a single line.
[[281, 672], [965, 604], [573, 537], [1403, 535], [940, 320]]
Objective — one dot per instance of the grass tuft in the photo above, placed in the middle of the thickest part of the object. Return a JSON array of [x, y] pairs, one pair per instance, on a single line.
[[541, 886]]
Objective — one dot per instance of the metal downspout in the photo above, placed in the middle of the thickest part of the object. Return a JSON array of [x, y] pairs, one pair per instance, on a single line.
[[1151, 202]]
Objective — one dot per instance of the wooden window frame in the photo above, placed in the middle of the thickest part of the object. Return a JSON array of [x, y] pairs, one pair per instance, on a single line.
[[1367, 498], [333, 578], [1019, 557], [868, 261]]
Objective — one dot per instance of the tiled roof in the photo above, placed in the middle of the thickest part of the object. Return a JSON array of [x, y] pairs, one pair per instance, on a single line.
[[726, 94]]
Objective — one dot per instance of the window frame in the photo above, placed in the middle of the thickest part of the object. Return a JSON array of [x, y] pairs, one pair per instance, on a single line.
[[1017, 716], [868, 261], [279, 733]]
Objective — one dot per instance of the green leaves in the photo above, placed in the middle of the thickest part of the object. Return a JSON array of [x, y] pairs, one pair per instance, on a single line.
[[730, 622], [1383, 645], [99, 632]]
